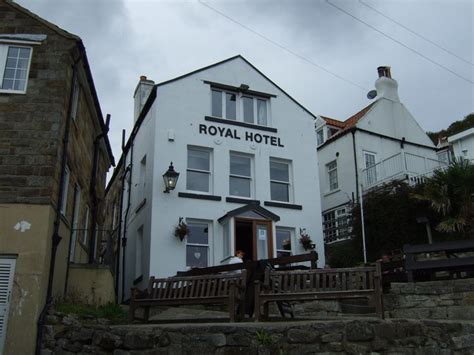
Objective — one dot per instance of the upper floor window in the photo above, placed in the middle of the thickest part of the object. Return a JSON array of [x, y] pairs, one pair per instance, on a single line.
[[142, 181], [280, 180], [320, 136], [198, 173], [332, 175], [239, 106], [371, 170], [240, 180], [14, 67]]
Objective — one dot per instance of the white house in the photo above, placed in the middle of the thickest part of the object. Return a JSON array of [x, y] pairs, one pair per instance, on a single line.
[[248, 179], [382, 142], [462, 145]]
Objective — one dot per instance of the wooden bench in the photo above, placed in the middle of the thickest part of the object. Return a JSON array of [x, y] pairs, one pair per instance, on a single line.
[[321, 284], [444, 256], [228, 289]]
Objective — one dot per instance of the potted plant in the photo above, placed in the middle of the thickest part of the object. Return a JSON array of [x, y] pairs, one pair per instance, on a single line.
[[181, 230], [305, 240]]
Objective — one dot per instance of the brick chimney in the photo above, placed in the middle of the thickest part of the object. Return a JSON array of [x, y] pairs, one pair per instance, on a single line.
[[386, 86], [141, 93]]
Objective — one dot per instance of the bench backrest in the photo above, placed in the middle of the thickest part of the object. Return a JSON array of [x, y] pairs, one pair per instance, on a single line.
[[185, 287], [456, 245], [322, 280]]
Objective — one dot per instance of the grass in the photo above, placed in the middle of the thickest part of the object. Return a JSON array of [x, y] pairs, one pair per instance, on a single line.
[[110, 311]]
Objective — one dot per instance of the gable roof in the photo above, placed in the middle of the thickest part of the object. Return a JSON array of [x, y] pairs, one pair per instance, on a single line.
[[85, 61], [250, 207], [152, 97], [347, 124]]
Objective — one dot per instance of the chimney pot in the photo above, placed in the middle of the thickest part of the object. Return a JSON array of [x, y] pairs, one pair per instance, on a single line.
[[142, 77], [384, 71]]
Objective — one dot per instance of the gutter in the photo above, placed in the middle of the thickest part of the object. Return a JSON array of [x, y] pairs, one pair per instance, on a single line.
[[56, 238], [353, 131]]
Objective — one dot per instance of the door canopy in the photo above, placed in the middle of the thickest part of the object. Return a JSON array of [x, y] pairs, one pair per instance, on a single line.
[[251, 210]]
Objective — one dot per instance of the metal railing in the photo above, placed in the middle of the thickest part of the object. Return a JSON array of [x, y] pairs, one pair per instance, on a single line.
[[400, 165]]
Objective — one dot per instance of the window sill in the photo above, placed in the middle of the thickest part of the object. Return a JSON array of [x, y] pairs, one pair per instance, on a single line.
[[242, 200], [199, 196], [240, 124], [15, 92], [331, 192], [140, 206], [283, 205]]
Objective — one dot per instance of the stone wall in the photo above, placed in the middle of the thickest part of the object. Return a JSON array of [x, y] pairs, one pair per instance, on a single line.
[[448, 299], [67, 335]]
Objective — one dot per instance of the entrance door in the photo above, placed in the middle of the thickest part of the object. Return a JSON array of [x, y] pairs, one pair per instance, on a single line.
[[7, 270], [254, 237]]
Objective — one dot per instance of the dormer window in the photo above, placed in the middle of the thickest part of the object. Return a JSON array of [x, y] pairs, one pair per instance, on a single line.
[[320, 136]]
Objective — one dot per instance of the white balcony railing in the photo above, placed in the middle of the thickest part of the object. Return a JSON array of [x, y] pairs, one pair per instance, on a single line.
[[400, 166]]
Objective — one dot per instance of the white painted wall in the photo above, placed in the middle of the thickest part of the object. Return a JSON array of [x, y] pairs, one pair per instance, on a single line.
[[181, 106], [463, 144]]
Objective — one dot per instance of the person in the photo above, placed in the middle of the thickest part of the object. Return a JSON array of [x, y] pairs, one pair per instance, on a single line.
[[238, 258]]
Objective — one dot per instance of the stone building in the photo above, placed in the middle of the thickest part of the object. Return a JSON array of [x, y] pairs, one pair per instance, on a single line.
[[54, 156], [248, 174]]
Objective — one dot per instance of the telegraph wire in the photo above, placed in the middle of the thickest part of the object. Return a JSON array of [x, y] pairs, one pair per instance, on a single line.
[[400, 43], [309, 61], [415, 33]]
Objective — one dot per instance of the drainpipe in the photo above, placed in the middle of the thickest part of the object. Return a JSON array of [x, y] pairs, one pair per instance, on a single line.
[[93, 241], [356, 169], [124, 239], [119, 232], [56, 238]]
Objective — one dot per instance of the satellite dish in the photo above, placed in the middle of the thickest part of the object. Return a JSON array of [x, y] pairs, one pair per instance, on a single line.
[[371, 94]]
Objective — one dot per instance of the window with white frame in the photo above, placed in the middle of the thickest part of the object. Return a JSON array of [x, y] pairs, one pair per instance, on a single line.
[[280, 180], [331, 169], [370, 168], [320, 136], [240, 179], [85, 228], [337, 225], [14, 68], [198, 173], [197, 244], [65, 188], [283, 241], [241, 107]]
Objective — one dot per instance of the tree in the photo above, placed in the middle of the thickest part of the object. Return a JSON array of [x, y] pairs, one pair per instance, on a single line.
[[450, 192], [455, 127], [390, 219]]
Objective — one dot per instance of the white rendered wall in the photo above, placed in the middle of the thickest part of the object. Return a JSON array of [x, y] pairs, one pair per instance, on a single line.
[[180, 107], [463, 144]]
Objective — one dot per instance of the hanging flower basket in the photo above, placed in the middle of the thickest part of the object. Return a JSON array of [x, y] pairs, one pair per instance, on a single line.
[[181, 230], [306, 241]]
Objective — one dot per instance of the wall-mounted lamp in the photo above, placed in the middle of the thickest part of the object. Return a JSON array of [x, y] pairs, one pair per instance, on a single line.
[[170, 178]]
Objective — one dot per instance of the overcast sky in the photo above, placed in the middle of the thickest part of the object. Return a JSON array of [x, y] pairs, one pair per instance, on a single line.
[[296, 43]]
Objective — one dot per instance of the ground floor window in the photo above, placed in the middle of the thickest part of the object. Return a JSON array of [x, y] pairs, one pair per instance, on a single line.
[[283, 241], [337, 225], [197, 244]]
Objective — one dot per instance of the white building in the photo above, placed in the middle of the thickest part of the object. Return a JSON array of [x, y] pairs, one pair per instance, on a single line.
[[248, 177], [380, 143], [462, 145]]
